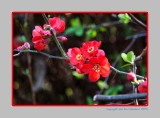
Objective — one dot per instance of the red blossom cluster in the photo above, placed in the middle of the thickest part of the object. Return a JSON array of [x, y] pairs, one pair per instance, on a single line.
[[89, 59], [41, 36]]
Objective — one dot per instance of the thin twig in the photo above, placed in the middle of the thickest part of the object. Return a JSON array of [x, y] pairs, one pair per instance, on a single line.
[[125, 73], [138, 21], [141, 55], [35, 51], [118, 97], [138, 35]]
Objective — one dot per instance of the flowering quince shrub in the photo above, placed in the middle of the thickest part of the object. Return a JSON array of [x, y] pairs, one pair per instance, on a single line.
[[90, 60]]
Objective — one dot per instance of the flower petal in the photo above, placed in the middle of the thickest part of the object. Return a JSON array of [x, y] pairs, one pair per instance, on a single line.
[[93, 61], [100, 52], [69, 53], [73, 61], [87, 68], [103, 60], [104, 72], [94, 76], [36, 38], [39, 45], [75, 51]]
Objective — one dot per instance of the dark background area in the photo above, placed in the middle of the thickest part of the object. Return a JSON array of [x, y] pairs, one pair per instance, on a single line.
[[53, 80]]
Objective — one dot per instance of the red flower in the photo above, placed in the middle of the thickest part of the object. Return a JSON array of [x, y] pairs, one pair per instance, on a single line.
[[40, 38], [142, 87], [40, 45], [57, 24], [97, 66], [131, 76], [100, 52], [75, 55], [90, 48]]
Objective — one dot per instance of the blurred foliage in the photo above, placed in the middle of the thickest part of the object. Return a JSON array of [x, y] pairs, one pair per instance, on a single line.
[[113, 90], [78, 76], [89, 100], [76, 27], [102, 84], [124, 18]]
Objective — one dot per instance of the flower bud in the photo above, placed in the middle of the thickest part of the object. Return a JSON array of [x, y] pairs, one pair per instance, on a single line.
[[62, 38], [131, 76]]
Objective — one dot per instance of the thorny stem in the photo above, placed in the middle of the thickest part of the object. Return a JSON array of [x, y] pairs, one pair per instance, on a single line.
[[54, 37]]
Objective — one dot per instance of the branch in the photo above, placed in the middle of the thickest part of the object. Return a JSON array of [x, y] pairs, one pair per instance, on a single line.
[[35, 51], [118, 97], [125, 73], [138, 35], [141, 55], [138, 21]]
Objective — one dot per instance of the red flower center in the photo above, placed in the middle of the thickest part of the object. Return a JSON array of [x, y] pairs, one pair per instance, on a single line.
[[79, 57], [97, 67], [90, 49]]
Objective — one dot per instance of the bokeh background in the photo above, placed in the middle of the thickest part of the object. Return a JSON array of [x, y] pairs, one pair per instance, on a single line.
[[55, 82]]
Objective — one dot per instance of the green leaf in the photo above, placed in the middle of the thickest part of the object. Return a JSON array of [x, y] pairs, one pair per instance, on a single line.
[[78, 76], [89, 100], [113, 90], [126, 65], [102, 29], [102, 84], [94, 33], [25, 72], [130, 56], [49, 15], [90, 34], [75, 22], [119, 88], [69, 92], [22, 39], [70, 30], [124, 57], [79, 32]]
